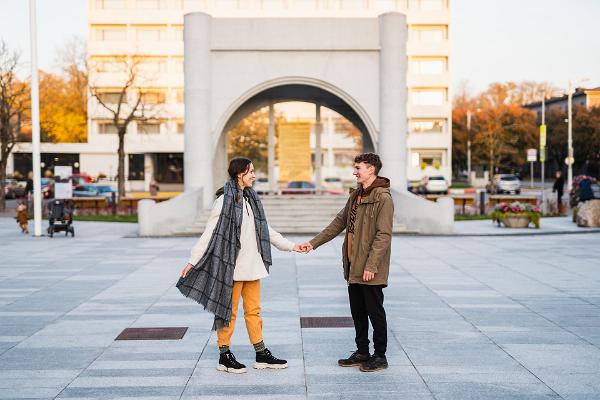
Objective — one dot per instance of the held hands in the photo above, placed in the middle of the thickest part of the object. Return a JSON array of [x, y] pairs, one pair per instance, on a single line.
[[303, 248]]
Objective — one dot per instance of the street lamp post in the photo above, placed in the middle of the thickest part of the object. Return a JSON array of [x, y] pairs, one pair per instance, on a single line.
[[35, 123], [469, 146], [570, 158]]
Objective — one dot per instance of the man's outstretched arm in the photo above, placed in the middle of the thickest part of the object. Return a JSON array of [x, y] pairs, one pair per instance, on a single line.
[[333, 229]]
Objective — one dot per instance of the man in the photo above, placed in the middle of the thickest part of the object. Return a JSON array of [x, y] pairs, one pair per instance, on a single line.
[[558, 187], [368, 218]]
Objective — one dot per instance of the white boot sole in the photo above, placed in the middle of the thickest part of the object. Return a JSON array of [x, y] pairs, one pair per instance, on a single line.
[[271, 366], [223, 368]]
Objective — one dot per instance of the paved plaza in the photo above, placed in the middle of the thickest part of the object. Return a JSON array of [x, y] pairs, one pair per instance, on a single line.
[[513, 317]]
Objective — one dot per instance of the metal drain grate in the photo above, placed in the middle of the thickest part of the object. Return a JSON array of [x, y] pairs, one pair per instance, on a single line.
[[152, 333], [326, 322]]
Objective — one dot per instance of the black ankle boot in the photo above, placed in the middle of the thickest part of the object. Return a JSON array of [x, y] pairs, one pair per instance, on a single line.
[[264, 359], [228, 363]]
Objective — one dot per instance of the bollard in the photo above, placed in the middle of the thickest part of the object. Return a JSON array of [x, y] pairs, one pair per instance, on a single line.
[[482, 202]]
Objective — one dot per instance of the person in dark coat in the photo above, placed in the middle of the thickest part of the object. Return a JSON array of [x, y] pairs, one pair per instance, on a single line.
[[559, 184]]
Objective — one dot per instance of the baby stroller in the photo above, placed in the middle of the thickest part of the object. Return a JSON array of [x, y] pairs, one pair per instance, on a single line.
[[60, 218]]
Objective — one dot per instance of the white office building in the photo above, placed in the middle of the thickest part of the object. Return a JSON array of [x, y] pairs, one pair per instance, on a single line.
[[151, 33]]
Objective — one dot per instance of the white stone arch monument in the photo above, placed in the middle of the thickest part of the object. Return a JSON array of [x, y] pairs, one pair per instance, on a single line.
[[236, 65]]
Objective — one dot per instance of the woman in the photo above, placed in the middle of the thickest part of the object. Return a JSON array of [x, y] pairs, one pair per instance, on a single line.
[[229, 260]]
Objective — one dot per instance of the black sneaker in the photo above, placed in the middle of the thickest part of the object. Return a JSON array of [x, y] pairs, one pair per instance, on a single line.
[[264, 359], [356, 359], [228, 363], [374, 363]]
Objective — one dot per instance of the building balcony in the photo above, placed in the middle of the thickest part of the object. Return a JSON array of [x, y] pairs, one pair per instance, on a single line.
[[419, 111], [112, 48], [428, 140], [416, 17], [135, 16], [418, 48], [428, 80], [154, 80]]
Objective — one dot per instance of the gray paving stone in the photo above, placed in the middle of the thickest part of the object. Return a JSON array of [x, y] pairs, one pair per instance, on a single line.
[[468, 318]]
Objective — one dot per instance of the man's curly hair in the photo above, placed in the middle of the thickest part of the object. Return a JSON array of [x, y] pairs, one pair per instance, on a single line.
[[371, 159]]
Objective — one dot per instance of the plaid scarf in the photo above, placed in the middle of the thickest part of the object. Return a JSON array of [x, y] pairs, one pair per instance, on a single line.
[[210, 282]]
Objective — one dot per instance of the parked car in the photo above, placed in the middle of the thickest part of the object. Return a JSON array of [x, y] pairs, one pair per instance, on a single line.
[[434, 184], [261, 185], [13, 189], [333, 185], [81, 179], [107, 191], [47, 188], [86, 191], [504, 183], [299, 187]]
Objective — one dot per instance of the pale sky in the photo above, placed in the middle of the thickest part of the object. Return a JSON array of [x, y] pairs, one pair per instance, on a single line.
[[492, 40]]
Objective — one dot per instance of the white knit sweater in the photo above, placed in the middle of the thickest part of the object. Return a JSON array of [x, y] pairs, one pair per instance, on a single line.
[[249, 265]]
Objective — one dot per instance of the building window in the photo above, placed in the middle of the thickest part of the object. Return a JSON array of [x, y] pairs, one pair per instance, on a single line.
[[148, 127], [428, 65], [111, 34], [152, 66], [147, 4], [106, 127], [430, 159], [431, 5], [178, 65], [179, 97], [426, 125], [111, 98], [180, 127], [426, 158], [136, 167], [429, 34], [153, 98], [110, 65], [111, 4], [149, 34], [169, 168], [178, 33], [428, 97]]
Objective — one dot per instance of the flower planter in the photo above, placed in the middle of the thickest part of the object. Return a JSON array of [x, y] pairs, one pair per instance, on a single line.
[[516, 215], [516, 221]]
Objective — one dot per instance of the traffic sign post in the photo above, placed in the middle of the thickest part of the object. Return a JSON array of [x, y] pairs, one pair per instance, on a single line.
[[543, 162], [531, 157]]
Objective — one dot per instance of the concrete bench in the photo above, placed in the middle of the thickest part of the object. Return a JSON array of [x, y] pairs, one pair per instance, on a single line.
[[498, 198]]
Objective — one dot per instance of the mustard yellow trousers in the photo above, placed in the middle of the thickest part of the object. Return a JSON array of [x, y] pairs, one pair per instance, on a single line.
[[249, 291]]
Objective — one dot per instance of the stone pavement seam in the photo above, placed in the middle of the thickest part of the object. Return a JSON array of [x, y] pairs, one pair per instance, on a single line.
[[195, 366], [301, 331], [413, 364], [475, 327]]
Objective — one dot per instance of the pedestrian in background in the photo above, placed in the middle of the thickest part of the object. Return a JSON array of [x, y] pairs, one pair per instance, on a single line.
[[559, 183]]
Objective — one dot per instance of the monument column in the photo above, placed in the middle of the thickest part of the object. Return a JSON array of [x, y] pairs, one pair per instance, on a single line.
[[318, 149], [393, 96], [271, 149], [198, 141]]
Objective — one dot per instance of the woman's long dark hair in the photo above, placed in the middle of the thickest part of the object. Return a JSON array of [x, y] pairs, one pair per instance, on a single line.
[[238, 165]]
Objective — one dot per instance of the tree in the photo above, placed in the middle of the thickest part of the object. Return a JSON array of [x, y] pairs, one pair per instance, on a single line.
[[64, 97], [61, 118], [249, 138], [501, 130], [13, 105], [126, 103]]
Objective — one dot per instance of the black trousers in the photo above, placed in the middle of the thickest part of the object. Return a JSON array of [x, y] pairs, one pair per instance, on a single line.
[[366, 303]]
